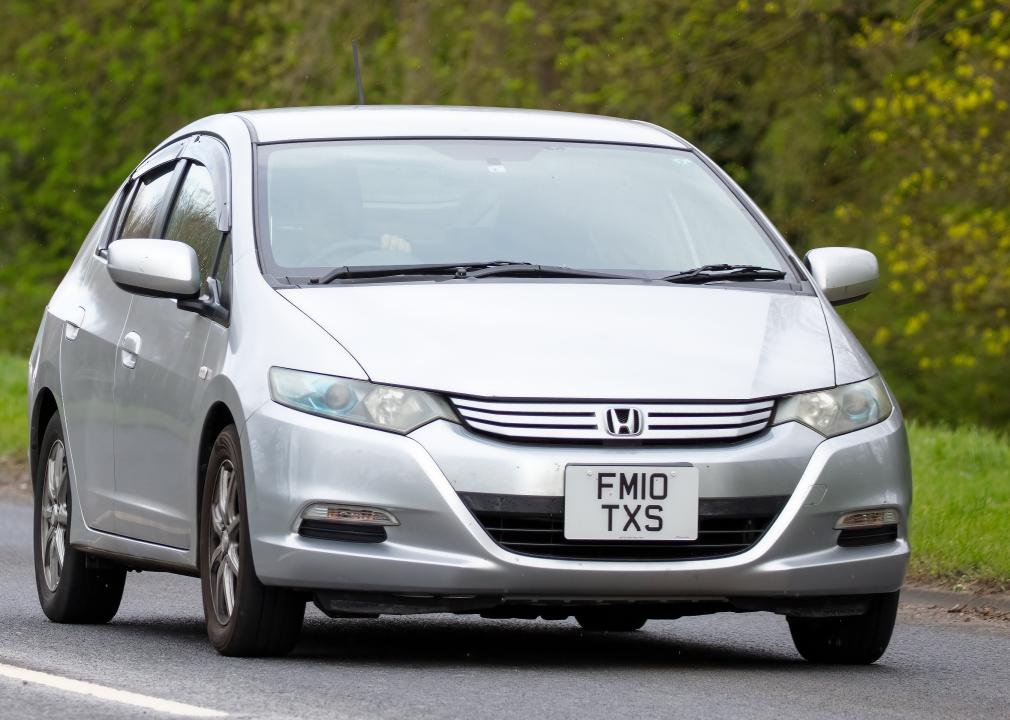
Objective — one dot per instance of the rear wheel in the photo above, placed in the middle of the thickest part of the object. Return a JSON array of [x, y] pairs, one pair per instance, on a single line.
[[856, 640], [244, 616], [69, 591], [611, 620]]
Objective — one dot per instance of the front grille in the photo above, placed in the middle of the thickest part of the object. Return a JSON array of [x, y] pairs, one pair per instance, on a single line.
[[535, 526], [588, 421]]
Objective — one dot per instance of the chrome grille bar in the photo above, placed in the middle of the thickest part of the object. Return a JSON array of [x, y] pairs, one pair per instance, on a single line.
[[540, 420]]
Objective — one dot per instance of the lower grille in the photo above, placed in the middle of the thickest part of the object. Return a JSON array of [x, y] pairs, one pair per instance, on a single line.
[[861, 537], [343, 532], [534, 526]]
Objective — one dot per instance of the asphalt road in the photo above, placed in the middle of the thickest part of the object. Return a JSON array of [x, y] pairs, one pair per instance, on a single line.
[[739, 666]]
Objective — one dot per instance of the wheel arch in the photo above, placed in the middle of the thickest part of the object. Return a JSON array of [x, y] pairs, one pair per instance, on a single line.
[[43, 409], [219, 416]]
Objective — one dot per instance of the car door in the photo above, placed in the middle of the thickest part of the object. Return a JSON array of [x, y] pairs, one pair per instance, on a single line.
[[93, 312], [158, 380]]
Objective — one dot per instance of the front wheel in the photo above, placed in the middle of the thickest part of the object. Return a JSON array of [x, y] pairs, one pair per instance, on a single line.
[[244, 617], [69, 591], [856, 640]]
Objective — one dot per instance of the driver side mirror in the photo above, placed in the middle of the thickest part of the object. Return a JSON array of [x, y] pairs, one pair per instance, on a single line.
[[843, 274], [163, 268]]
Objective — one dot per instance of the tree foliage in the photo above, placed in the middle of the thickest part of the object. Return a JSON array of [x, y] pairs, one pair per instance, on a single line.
[[875, 123]]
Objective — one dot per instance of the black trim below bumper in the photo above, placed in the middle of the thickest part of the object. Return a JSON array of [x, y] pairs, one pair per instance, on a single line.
[[357, 604]]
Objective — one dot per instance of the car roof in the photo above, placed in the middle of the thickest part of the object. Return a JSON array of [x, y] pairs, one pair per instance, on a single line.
[[392, 121]]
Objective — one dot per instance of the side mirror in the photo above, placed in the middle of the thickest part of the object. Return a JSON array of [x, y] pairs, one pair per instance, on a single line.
[[843, 274], [164, 268]]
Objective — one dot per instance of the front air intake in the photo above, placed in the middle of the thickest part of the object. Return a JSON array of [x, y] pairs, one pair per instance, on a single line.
[[534, 526]]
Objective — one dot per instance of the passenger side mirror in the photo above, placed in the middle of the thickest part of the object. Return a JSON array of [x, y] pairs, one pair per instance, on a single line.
[[164, 268], [843, 274]]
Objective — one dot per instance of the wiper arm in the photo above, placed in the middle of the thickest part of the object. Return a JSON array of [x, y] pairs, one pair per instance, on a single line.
[[461, 270], [713, 273]]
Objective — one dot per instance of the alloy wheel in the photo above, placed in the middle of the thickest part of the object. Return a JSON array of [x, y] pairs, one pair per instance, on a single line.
[[224, 546], [53, 508]]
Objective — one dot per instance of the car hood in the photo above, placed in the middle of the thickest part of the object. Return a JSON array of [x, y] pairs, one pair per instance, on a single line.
[[576, 339]]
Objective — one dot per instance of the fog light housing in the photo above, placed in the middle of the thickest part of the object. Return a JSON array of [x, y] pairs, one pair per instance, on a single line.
[[349, 514], [876, 518]]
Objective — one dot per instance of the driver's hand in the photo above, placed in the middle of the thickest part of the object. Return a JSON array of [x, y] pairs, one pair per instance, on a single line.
[[396, 243]]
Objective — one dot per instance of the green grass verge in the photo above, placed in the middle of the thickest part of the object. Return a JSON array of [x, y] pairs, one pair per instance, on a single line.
[[961, 505], [13, 405], [960, 514]]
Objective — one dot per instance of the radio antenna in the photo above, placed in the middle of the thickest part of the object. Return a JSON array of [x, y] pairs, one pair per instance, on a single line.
[[357, 72]]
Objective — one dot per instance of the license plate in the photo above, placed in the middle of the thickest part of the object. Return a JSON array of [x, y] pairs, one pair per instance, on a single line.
[[631, 502]]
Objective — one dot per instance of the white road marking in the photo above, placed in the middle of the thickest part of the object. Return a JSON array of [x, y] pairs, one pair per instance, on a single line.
[[106, 693]]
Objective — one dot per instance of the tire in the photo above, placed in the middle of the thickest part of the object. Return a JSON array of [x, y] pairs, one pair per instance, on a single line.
[[611, 620], [69, 591], [857, 640], [244, 617]]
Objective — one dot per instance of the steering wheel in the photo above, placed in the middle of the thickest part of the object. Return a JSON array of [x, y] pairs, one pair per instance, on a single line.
[[347, 250]]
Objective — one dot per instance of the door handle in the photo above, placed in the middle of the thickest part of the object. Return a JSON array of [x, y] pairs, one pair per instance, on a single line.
[[72, 326], [129, 349]]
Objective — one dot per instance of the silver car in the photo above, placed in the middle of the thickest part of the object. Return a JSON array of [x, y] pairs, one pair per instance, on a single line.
[[521, 364]]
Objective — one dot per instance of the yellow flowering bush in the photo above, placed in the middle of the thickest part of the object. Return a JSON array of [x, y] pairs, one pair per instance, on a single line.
[[939, 134]]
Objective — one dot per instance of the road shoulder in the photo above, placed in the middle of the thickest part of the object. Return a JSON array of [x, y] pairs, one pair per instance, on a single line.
[[14, 481]]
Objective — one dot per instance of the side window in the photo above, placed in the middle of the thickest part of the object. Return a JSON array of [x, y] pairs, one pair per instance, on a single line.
[[193, 219], [146, 206]]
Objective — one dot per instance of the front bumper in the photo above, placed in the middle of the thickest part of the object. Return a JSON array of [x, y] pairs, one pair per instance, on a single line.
[[439, 549]]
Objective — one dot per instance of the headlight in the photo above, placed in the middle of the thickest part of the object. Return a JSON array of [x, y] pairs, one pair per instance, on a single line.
[[356, 401], [838, 410]]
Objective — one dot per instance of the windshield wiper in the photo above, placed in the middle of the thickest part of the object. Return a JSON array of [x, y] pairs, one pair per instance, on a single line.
[[459, 271], [380, 271], [714, 273], [558, 271]]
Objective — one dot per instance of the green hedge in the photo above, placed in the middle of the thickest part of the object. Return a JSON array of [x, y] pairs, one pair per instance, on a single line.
[[876, 123]]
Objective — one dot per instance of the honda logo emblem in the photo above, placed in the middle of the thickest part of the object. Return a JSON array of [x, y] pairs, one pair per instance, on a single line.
[[624, 422]]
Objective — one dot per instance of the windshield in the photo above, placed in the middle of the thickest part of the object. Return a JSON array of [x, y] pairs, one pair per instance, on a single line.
[[636, 210]]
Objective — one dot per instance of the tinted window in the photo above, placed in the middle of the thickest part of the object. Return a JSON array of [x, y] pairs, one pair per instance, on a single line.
[[146, 206], [193, 219]]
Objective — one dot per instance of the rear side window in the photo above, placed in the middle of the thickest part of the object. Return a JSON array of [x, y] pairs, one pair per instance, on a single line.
[[146, 206], [193, 219]]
